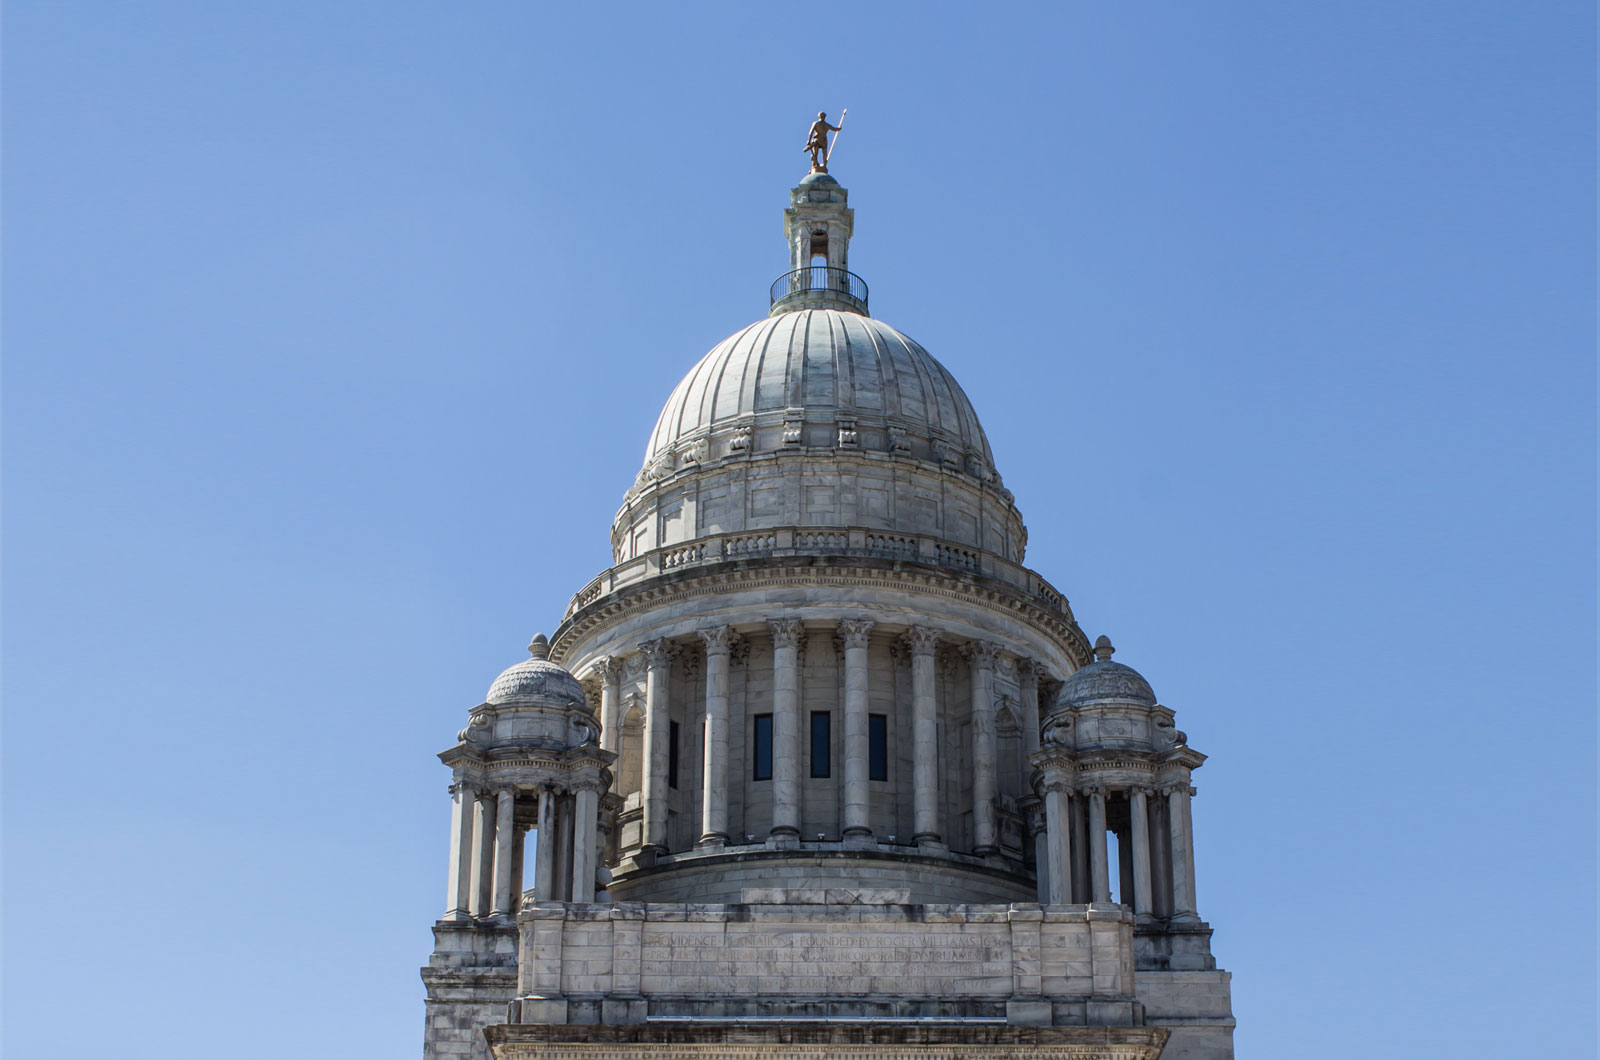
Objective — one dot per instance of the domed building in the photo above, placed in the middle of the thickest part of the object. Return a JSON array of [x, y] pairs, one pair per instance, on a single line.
[[818, 765]]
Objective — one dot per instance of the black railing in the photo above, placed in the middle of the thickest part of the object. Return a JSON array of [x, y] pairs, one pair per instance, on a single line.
[[820, 284]]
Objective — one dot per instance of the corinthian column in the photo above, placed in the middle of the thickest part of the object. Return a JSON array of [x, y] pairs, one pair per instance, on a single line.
[[610, 703], [1099, 873], [714, 775], [985, 749], [505, 834], [924, 736], [544, 854], [1179, 825], [786, 634], [1058, 842], [857, 793], [463, 809], [657, 730], [1028, 685], [1139, 814], [585, 827], [483, 831]]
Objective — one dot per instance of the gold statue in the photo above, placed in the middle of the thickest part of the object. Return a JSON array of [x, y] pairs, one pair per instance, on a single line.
[[817, 140]]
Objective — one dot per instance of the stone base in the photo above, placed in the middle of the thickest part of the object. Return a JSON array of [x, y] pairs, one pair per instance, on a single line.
[[866, 1041]]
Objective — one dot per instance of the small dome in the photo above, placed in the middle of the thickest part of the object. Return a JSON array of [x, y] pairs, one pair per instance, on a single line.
[[1104, 680], [536, 681], [813, 179]]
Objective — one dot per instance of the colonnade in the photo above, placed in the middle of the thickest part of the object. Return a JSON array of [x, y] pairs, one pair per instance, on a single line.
[[787, 709], [487, 846], [1155, 844]]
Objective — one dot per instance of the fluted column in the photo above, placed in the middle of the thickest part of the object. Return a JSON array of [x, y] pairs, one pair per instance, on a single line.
[[1099, 874], [544, 854], [1058, 842], [463, 809], [483, 842], [610, 704], [585, 825], [855, 632], [924, 736], [1139, 814], [786, 635], [657, 731], [714, 774], [505, 834], [1028, 685], [1179, 825], [985, 749]]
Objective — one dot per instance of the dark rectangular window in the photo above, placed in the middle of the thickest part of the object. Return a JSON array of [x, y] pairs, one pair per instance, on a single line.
[[763, 748], [821, 743], [878, 746], [672, 755]]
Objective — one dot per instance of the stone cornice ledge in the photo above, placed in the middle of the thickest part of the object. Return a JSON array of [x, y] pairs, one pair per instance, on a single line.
[[710, 578], [822, 1041]]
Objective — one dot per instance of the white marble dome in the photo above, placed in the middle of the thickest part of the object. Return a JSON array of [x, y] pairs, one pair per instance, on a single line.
[[536, 681], [1104, 681], [821, 366]]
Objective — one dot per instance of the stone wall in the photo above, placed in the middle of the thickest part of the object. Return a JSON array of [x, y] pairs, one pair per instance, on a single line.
[[470, 979], [826, 955]]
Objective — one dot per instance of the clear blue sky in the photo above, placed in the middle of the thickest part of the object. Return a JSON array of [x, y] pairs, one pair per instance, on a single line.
[[334, 333]]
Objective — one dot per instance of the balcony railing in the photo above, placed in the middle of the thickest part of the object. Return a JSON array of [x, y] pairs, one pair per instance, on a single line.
[[843, 542], [819, 287]]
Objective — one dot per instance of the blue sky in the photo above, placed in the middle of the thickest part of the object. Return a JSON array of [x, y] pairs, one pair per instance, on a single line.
[[334, 334]]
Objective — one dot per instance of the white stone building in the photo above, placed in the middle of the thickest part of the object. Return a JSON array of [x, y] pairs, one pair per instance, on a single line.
[[818, 766]]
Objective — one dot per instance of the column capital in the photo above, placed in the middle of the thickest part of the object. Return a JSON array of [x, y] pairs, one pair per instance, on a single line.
[[787, 632], [855, 631], [718, 639], [922, 640], [610, 667], [983, 653], [658, 654]]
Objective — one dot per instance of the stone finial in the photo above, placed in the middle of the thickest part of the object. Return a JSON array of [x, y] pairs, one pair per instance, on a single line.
[[1102, 648], [539, 646]]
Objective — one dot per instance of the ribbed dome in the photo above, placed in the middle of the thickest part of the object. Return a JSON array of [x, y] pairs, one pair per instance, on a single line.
[[536, 681], [1105, 680], [828, 364]]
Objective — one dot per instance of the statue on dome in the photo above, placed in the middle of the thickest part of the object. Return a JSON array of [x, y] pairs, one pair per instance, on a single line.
[[817, 140]]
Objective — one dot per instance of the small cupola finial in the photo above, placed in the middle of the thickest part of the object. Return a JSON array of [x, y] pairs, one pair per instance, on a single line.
[[539, 646], [1103, 649], [818, 225]]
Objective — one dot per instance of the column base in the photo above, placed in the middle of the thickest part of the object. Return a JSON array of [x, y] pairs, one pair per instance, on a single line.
[[784, 840], [860, 841], [712, 841], [929, 841]]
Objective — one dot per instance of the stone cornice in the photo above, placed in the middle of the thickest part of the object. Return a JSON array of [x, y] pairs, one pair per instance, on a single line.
[[678, 586]]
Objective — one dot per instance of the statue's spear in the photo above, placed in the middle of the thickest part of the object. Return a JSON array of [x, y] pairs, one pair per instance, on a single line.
[[829, 156]]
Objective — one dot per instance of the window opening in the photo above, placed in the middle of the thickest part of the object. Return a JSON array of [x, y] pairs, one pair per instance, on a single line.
[[821, 743], [763, 747], [878, 746], [672, 755]]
